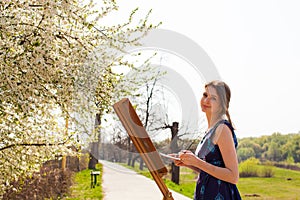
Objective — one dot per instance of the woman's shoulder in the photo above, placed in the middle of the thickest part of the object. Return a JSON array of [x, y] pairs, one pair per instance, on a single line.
[[225, 129]]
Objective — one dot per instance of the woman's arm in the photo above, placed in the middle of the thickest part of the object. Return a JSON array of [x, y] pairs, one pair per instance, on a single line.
[[226, 145]]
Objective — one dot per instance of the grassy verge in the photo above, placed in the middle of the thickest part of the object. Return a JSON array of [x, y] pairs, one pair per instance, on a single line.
[[285, 184], [81, 190], [187, 182]]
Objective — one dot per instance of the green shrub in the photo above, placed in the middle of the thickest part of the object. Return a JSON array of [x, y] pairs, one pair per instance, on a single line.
[[84, 161], [249, 168], [267, 171]]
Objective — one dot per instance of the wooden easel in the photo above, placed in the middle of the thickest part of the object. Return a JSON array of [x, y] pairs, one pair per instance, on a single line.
[[143, 144]]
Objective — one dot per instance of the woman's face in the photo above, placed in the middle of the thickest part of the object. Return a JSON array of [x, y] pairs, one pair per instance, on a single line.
[[210, 101]]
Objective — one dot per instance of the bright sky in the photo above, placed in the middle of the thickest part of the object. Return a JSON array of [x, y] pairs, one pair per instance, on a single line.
[[255, 46]]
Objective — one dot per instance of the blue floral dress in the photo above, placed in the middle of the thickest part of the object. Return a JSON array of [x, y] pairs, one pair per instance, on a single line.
[[209, 187]]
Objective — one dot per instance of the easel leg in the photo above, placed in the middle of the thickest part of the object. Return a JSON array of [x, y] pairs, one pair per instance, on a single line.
[[169, 197]]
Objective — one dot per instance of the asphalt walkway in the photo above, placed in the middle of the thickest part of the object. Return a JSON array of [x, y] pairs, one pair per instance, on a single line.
[[122, 183]]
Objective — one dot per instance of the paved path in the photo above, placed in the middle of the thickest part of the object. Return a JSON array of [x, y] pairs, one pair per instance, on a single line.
[[120, 183]]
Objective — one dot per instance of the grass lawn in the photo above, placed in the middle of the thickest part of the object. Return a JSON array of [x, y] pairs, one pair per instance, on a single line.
[[285, 184], [81, 190]]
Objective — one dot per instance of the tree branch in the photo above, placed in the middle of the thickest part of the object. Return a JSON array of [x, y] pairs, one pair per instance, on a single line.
[[32, 144]]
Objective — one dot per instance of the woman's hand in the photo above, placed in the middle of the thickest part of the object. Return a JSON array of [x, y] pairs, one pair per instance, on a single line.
[[176, 161], [187, 158], [181, 163]]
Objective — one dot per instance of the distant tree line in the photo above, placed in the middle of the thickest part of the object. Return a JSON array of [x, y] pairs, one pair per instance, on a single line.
[[276, 148]]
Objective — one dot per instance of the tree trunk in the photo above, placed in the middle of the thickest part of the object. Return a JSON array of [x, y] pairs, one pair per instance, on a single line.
[[141, 163], [92, 162], [133, 160], [94, 154], [174, 148], [129, 151]]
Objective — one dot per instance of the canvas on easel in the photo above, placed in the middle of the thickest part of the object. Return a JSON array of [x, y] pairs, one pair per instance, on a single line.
[[143, 144]]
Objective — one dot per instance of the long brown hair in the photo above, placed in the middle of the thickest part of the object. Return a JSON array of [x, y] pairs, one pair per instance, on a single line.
[[224, 93]]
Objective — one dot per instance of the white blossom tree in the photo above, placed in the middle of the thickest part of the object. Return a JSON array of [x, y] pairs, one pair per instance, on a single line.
[[51, 52]]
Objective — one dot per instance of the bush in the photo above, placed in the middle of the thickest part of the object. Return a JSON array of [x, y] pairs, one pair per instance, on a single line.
[[252, 168], [47, 184], [295, 166], [267, 171], [249, 168], [84, 161]]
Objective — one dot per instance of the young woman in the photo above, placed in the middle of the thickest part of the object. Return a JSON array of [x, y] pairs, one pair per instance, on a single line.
[[215, 157]]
